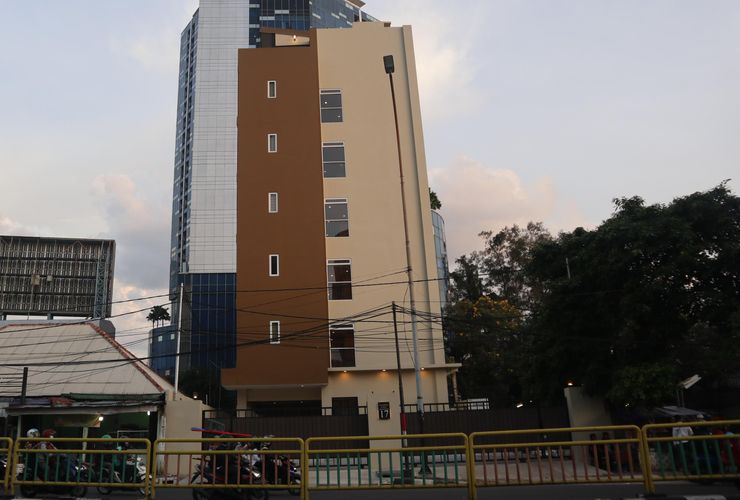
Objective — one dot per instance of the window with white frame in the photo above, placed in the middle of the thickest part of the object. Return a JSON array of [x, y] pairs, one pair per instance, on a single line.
[[274, 332], [336, 217], [339, 273], [274, 265], [333, 159], [342, 344], [331, 106], [272, 143], [272, 203], [271, 89]]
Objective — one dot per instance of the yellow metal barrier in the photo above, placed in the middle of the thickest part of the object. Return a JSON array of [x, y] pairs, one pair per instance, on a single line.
[[555, 456], [338, 467], [6, 446], [710, 454], [228, 463], [61, 465]]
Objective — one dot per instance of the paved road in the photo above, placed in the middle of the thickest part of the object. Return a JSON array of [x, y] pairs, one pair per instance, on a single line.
[[556, 492]]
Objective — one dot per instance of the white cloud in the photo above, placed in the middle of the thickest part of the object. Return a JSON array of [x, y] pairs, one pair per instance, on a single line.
[[478, 198], [156, 46], [12, 227], [445, 64], [132, 329], [140, 227], [154, 52]]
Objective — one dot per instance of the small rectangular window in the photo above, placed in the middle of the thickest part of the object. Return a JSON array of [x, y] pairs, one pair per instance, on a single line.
[[159, 338], [331, 106], [172, 336], [272, 143], [339, 273], [274, 332], [333, 159], [272, 203], [336, 217], [274, 265], [342, 344], [271, 89]]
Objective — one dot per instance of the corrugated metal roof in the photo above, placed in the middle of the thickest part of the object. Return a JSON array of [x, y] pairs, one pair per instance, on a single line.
[[64, 358]]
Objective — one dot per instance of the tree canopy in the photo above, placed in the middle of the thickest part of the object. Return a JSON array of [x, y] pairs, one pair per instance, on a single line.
[[157, 315], [626, 310]]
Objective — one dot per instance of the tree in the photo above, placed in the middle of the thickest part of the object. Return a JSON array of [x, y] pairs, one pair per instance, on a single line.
[[490, 299], [505, 258], [649, 301], [434, 201], [205, 384], [487, 341], [158, 315], [626, 310]]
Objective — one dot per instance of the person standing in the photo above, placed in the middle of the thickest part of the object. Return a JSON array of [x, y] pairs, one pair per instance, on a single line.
[[682, 445]]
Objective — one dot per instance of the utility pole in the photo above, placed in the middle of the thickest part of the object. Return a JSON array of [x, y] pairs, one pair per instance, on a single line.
[[406, 469], [177, 342], [24, 385]]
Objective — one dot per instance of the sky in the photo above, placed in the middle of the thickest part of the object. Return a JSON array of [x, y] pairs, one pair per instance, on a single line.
[[542, 110]]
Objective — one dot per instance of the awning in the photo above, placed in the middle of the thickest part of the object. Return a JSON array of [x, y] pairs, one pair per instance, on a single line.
[[49, 407], [678, 411]]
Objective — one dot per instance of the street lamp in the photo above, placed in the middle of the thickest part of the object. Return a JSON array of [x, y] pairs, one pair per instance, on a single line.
[[389, 65]]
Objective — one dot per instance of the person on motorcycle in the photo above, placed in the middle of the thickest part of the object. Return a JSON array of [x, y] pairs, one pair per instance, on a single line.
[[48, 434], [32, 459]]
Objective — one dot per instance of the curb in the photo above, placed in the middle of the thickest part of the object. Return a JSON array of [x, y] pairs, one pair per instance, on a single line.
[[688, 497]]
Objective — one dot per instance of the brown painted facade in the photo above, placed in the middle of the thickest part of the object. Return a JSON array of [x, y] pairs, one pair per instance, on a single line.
[[297, 297]]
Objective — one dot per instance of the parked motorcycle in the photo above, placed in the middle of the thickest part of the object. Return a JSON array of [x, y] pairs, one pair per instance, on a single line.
[[206, 473], [64, 467], [279, 469], [133, 472]]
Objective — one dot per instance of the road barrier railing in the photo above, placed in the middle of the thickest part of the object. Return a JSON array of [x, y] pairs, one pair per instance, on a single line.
[[6, 447], [79, 463], [703, 451], [396, 461], [210, 465], [600, 454]]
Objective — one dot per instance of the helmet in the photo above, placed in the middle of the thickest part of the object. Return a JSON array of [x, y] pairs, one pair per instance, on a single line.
[[33, 433], [105, 436], [49, 433]]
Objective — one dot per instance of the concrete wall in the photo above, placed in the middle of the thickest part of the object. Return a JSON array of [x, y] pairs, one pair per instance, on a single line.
[[180, 415]]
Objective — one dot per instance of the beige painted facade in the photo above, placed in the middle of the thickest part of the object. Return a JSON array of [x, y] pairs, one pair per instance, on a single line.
[[351, 60]]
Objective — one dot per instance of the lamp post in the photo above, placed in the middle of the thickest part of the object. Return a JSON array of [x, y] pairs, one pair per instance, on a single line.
[[389, 69]]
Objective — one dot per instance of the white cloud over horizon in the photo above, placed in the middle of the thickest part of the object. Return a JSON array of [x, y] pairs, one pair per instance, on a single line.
[[446, 71], [141, 228], [477, 198]]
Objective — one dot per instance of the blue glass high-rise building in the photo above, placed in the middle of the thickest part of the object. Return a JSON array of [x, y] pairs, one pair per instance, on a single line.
[[203, 241]]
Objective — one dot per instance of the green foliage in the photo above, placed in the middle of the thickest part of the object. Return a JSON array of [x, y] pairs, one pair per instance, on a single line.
[[490, 294], [626, 310], [650, 384], [486, 339], [434, 201], [157, 315], [206, 385]]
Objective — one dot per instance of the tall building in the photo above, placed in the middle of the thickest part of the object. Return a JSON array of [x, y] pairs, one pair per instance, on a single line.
[[203, 240], [321, 246]]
